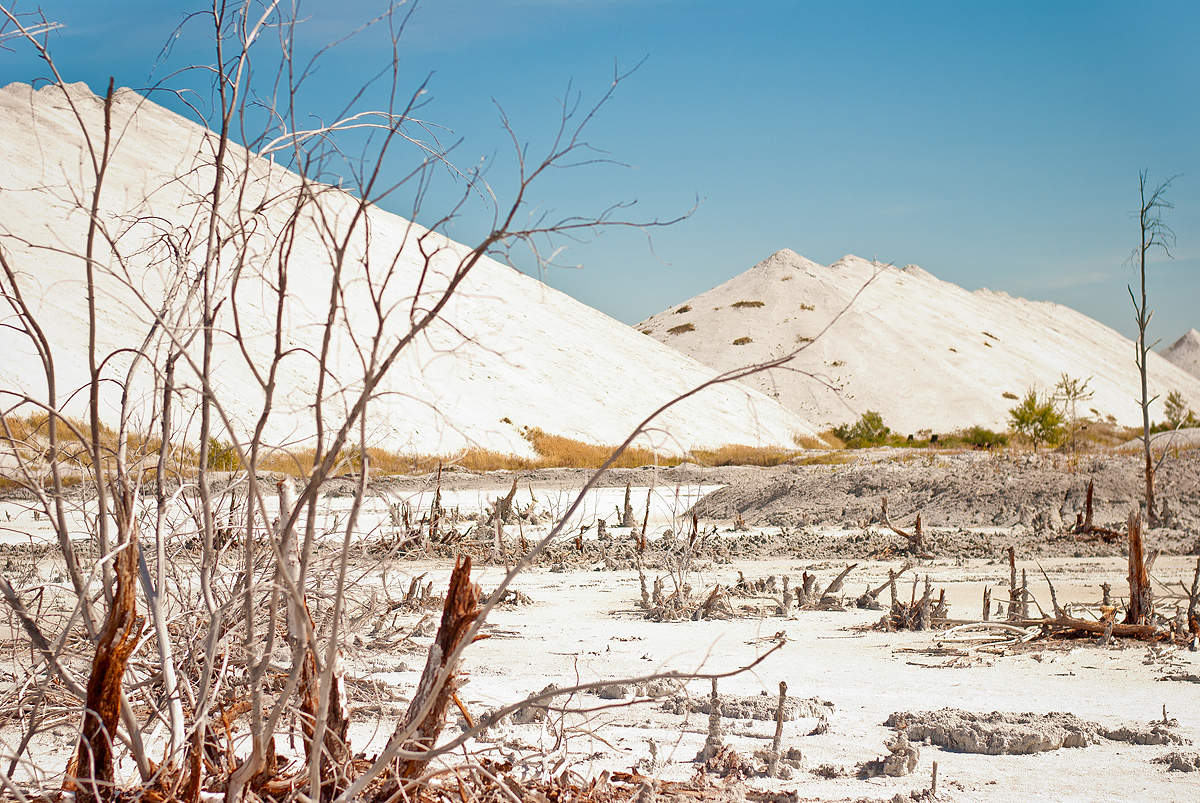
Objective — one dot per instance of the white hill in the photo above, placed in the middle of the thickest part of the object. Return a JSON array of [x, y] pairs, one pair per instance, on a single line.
[[925, 353], [1185, 352], [510, 353]]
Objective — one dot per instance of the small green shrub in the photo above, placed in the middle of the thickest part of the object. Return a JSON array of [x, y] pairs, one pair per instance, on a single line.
[[1038, 419], [683, 327], [741, 341], [1178, 413], [747, 304], [868, 430], [983, 438]]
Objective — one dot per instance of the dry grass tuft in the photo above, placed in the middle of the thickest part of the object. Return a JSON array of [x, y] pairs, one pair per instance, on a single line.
[[552, 451], [683, 327], [741, 455], [826, 459], [832, 439], [748, 304], [809, 442]]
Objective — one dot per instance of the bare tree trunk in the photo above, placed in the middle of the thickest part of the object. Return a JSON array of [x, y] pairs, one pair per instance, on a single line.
[[93, 766], [1141, 598], [426, 713]]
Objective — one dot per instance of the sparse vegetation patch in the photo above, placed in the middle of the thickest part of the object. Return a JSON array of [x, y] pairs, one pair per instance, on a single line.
[[747, 304], [683, 327]]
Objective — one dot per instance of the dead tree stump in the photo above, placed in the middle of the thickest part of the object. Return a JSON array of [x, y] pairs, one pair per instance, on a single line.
[[437, 687], [1141, 596], [627, 519]]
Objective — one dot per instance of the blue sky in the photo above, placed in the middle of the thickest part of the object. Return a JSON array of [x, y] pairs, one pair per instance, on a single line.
[[994, 144]]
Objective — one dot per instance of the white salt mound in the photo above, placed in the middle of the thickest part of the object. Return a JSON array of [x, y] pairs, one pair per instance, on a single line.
[[509, 352], [925, 353]]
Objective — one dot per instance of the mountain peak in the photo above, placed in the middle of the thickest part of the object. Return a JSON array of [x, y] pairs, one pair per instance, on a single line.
[[1185, 352]]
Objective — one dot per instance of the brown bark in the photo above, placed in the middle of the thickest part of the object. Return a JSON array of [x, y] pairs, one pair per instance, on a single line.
[[93, 761], [1084, 523], [1141, 597], [1066, 626], [458, 614]]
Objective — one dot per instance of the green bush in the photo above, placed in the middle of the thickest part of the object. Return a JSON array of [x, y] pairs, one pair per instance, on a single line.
[[1039, 419], [222, 456], [982, 437], [868, 430], [1178, 413]]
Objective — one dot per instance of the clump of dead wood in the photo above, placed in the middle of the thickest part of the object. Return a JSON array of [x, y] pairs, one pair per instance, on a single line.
[[919, 613], [1142, 618], [764, 596]]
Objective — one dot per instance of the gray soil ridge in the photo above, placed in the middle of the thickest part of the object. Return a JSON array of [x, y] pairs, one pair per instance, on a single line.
[[958, 490], [1001, 733], [760, 707]]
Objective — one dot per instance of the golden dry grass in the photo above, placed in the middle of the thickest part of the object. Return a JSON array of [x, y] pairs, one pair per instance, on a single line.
[[810, 442], [826, 459], [741, 455], [552, 451], [833, 441]]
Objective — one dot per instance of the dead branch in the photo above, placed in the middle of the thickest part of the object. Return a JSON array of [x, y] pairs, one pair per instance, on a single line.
[[915, 539], [1084, 524]]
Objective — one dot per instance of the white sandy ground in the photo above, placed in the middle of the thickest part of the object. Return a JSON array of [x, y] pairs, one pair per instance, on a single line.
[[669, 503], [925, 353], [1185, 352], [583, 625], [510, 352]]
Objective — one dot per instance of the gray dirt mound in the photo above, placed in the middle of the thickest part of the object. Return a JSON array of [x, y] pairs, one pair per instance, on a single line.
[[1000, 733], [1042, 493], [1177, 761], [760, 707]]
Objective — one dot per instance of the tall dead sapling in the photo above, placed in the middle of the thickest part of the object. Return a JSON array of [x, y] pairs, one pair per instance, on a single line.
[[1154, 235]]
